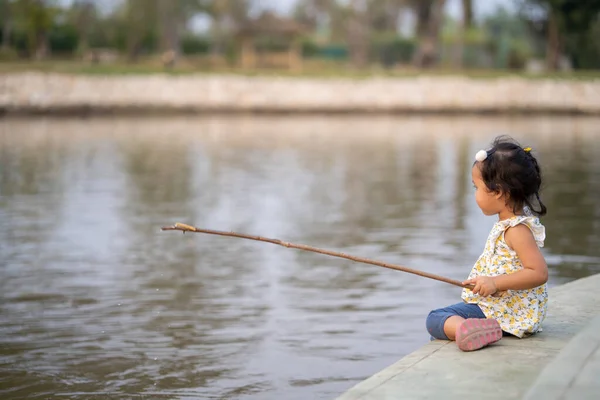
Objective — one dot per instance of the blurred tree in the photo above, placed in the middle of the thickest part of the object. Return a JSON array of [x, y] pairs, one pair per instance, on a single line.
[[226, 15], [385, 14], [6, 15], [173, 18], [140, 18], [467, 13], [360, 28], [509, 40], [170, 18], [108, 31], [82, 14], [314, 13], [358, 31], [563, 23], [466, 25], [429, 15], [586, 54], [574, 19], [387, 46], [336, 19], [36, 18]]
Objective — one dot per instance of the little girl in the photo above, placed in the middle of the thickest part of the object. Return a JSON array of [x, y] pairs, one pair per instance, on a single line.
[[509, 293]]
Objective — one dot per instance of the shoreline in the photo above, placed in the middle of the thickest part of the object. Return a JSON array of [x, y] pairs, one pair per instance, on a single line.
[[135, 111], [32, 94]]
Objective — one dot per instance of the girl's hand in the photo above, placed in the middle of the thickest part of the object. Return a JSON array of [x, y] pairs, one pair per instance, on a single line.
[[483, 285]]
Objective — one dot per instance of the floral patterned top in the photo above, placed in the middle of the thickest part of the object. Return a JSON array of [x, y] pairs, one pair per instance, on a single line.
[[519, 312]]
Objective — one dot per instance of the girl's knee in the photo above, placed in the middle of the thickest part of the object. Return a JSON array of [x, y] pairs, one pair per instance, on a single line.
[[434, 315], [435, 324], [430, 316], [432, 322]]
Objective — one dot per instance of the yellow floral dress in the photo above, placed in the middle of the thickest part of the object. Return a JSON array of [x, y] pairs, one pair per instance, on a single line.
[[519, 312]]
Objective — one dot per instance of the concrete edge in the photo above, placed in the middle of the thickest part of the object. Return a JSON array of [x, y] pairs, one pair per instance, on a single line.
[[556, 379], [395, 369]]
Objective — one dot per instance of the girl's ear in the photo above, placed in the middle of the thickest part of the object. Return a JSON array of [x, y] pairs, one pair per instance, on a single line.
[[501, 195]]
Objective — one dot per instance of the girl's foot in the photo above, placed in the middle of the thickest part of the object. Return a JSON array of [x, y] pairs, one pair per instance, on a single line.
[[475, 333]]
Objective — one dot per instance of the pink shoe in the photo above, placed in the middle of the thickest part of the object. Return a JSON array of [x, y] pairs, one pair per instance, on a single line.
[[475, 333]]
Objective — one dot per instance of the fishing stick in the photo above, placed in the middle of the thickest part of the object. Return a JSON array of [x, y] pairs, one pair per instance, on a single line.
[[187, 228]]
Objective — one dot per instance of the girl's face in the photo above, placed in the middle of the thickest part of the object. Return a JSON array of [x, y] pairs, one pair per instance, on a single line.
[[489, 202]]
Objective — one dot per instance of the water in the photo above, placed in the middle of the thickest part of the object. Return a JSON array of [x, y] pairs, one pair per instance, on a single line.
[[97, 302]]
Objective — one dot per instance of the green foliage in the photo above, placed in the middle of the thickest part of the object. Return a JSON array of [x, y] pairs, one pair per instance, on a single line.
[[584, 48], [35, 18], [8, 54], [310, 48], [138, 27], [504, 23], [390, 49], [193, 44], [19, 41], [519, 52], [333, 52], [270, 44], [575, 16], [103, 38], [577, 22], [63, 39], [453, 34], [509, 39], [330, 51]]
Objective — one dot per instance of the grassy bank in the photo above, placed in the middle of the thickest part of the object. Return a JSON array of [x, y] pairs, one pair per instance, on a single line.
[[310, 70]]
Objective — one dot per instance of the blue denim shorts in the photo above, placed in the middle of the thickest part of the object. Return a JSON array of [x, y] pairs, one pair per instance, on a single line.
[[437, 318]]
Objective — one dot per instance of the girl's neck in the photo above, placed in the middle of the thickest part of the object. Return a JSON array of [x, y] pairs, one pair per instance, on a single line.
[[507, 214]]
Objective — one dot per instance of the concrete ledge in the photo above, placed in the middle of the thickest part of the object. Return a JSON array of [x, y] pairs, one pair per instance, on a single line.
[[505, 370], [575, 372]]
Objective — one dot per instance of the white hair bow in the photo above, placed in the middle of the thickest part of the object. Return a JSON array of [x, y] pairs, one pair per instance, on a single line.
[[481, 155]]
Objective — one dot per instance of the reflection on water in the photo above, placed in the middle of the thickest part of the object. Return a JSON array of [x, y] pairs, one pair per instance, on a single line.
[[97, 301]]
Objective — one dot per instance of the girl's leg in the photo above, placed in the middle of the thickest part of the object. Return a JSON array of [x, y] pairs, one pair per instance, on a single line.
[[451, 325], [443, 323]]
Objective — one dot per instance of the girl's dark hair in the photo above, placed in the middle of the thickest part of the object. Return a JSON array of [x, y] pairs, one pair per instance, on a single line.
[[514, 171]]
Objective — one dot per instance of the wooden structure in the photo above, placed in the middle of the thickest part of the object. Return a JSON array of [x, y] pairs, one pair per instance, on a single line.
[[270, 28]]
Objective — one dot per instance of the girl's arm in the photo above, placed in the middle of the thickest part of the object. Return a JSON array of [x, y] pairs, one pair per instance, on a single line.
[[533, 274], [535, 270]]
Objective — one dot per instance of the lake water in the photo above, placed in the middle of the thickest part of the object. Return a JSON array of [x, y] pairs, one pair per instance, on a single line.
[[97, 302]]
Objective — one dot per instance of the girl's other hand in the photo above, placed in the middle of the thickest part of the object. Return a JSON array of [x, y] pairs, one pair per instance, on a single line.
[[483, 285]]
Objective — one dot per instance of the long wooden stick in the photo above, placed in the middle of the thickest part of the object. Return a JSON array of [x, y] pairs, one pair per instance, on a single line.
[[187, 228]]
